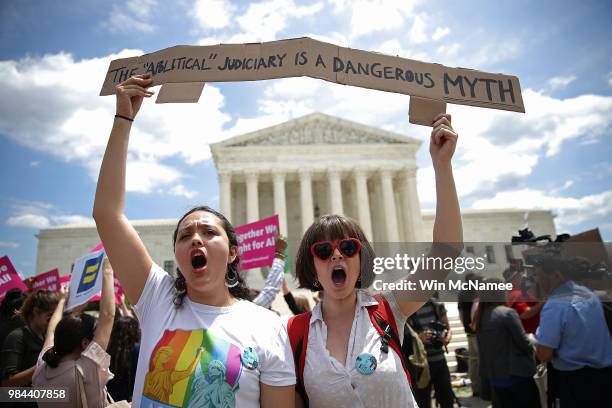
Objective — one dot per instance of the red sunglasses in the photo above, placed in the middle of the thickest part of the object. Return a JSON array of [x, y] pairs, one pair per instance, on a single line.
[[348, 247]]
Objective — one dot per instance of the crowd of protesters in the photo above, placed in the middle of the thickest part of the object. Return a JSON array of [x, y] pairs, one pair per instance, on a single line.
[[548, 342], [353, 348]]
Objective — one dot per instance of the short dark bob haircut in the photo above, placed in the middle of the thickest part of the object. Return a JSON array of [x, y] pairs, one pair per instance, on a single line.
[[331, 228]]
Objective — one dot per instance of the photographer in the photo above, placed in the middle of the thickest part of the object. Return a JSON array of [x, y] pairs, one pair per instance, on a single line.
[[431, 322], [573, 334]]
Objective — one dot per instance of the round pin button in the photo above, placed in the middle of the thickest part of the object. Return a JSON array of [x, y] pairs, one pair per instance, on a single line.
[[249, 358], [366, 363]]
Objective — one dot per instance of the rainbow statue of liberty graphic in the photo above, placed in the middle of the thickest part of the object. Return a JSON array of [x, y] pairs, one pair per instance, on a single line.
[[192, 369]]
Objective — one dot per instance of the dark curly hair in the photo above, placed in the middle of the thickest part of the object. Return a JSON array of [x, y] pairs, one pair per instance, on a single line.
[[333, 227], [240, 291], [70, 331], [124, 337]]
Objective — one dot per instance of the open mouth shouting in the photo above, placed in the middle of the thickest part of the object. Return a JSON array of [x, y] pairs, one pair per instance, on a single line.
[[198, 260], [338, 275]]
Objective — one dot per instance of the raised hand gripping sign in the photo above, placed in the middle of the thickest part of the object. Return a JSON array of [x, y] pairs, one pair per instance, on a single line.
[[183, 70]]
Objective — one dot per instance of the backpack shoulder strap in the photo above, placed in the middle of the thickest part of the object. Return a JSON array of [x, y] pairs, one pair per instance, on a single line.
[[297, 329], [382, 319]]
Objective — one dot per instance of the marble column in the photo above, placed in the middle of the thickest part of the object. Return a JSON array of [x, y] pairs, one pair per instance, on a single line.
[[363, 202], [335, 191], [252, 203], [391, 220], [225, 187], [306, 199], [280, 200], [411, 206]]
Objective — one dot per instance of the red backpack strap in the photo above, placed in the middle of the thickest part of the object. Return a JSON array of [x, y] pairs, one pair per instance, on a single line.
[[382, 319], [297, 329]]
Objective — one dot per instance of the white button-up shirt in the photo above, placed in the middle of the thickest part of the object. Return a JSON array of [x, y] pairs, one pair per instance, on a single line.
[[329, 383]]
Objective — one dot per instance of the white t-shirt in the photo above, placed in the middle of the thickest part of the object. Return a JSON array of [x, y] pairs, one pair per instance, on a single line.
[[199, 355], [329, 383]]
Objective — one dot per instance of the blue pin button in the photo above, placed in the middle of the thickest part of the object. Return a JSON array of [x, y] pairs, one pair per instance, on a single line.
[[366, 363], [249, 358]]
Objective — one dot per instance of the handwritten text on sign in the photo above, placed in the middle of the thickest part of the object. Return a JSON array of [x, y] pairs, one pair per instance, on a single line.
[[256, 243], [316, 59]]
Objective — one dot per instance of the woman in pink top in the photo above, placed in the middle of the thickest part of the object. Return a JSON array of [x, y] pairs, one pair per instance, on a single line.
[[79, 355]]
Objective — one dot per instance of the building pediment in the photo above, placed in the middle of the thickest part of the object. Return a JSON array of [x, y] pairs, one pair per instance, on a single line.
[[317, 128]]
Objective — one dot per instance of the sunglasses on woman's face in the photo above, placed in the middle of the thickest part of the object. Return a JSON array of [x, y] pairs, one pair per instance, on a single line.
[[348, 247]]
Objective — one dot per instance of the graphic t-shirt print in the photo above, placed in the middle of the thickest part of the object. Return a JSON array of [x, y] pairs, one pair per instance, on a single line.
[[192, 369]]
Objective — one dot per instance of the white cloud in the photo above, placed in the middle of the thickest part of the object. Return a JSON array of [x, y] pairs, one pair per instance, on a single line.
[[70, 219], [482, 56], [71, 122], [213, 14], [131, 15], [369, 16], [559, 82], [440, 33], [40, 215], [570, 210], [417, 32], [495, 145], [29, 221], [449, 50], [8, 244], [394, 47], [34, 163], [181, 190], [210, 41], [264, 20], [610, 78]]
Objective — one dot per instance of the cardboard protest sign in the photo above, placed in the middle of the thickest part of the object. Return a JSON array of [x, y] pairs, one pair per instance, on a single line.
[[47, 280], [86, 279], [195, 65], [9, 278], [588, 245], [256, 243]]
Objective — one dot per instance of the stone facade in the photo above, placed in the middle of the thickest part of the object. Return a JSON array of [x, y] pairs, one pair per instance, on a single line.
[[303, 168]]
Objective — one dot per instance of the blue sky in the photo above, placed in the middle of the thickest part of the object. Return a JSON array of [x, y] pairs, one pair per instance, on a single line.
[[54, 126]]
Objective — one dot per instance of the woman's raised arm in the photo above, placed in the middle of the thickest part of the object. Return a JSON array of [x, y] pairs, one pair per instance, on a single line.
[[447, 230], [123, 246], [107, 307]]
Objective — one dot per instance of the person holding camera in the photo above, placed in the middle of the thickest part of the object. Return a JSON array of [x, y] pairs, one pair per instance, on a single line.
[[573, 334], [431, 323]]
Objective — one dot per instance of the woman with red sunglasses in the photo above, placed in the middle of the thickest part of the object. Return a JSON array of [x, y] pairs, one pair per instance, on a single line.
[[348, 363]]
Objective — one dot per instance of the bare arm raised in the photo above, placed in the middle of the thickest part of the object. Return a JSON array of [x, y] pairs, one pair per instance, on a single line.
[[123, 246], [107, 307], [447, 230]]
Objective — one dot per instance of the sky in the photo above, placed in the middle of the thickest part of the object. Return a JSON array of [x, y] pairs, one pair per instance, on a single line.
[[54, 127]]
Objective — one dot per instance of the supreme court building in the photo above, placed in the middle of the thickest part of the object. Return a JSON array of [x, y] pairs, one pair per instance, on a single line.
[[303, 168]]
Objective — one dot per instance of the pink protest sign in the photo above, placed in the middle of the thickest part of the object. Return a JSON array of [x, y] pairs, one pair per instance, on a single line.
[[97, 247], [64, 280], [118, 293], [9, 278], [256, 243], [47, 280]]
